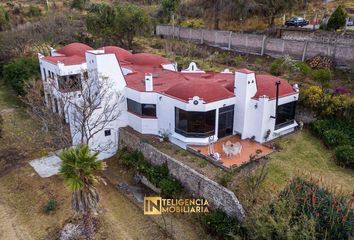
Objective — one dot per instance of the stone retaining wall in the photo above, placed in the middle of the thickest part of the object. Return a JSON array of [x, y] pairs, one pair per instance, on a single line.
[[197, 184]]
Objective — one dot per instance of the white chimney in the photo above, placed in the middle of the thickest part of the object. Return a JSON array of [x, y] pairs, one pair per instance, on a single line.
[[245, 88], [149, 82]]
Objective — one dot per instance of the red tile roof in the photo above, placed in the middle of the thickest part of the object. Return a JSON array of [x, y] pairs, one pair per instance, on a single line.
[[72, 49], [208, 91], [210, 86], [266, 86], [72, 60], [121, 53], [244, 70], [147, 59]]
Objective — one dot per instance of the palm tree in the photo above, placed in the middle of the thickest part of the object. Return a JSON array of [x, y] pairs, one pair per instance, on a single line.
[[80, 168]]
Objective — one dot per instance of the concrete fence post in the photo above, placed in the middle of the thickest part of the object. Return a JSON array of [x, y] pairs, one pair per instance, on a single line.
[[263, 44], [246, 44], [190, 34], [179, 32], [230, 35], [216, 37], [334, 52], [202, 38], [304, 51]]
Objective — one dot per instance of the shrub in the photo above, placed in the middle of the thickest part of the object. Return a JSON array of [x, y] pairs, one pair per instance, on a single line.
[[219, 224], [78, 4], [225, 178], [326, 104], [156, 174], [34, 11], [170, 186], [238, 59], [345, 155], [17, 71], [322, 76], [331, 213], [50, 206], [277, 221], [276, 67], [320, 126], [303, 68], [4, 19], [337, 19], [333, 138]]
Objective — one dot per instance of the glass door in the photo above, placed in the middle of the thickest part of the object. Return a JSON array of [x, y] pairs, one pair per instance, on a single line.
[[226, 121]]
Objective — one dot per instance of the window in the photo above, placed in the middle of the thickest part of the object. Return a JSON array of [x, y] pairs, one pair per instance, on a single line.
[[286, 115], [69, 83], [107, 133], [142, 110], [149, 110], [45, 74], [194, 124]]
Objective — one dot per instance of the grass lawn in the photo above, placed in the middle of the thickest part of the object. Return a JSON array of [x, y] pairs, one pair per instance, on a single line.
[[304, 154]]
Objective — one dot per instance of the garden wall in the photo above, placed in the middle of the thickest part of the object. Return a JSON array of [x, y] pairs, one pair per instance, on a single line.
[[342, 54], [196, 183], [316, 36]]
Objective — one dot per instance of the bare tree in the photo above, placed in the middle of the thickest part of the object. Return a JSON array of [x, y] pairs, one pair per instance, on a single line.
[[92, 104], [89, 104], [38, 109]]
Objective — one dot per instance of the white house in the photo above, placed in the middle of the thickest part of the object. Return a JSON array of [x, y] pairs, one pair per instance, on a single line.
[[191, 105]]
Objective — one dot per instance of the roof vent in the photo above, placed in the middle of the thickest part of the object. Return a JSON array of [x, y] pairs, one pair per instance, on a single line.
[[192, 69], [149, 82]]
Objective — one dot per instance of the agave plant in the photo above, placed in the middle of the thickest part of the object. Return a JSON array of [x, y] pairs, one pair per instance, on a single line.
[[80, 168]]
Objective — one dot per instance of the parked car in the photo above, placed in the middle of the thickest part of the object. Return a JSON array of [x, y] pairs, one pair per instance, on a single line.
[[350, 21], [296, 21]]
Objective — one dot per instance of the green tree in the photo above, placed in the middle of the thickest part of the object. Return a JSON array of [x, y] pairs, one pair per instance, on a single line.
[[4, 19], [17, 71], [169, 7], [337, 19], [121, 23], [273, 8], [80, 169]]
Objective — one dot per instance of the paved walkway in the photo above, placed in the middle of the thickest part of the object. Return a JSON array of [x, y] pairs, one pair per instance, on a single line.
[[46, 166], [50, 165]]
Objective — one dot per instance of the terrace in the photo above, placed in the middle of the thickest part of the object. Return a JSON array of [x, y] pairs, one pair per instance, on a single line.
[[249, 148]]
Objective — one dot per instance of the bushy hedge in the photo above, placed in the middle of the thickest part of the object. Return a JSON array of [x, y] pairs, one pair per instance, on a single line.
[[327, 104], [334, 138], [338, 134], [345, 155], [343, 129], [157, 174]]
